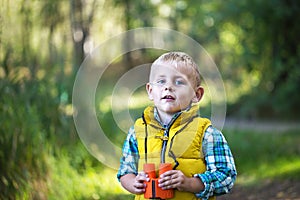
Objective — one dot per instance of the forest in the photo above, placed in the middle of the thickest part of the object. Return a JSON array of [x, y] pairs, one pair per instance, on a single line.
[[44, 45]]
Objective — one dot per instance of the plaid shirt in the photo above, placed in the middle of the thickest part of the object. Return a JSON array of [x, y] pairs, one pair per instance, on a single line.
[[220, 171]]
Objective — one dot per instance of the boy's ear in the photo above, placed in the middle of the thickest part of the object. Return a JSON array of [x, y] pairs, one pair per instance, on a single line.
[[198, 94], [149, 91]]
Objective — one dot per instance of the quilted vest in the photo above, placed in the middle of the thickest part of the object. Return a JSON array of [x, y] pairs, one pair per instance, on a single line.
[[183, 144]]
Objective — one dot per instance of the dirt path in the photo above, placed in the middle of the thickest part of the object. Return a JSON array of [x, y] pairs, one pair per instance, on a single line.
[[269, 190], [275, 190]]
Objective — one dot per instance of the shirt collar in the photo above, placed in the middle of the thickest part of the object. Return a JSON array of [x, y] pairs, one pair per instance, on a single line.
[[156, 116]]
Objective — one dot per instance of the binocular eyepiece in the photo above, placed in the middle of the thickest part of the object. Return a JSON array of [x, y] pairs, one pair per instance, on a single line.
[[152, 189]]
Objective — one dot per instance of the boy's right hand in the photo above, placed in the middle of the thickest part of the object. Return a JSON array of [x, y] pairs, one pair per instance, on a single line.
[[139, 185]]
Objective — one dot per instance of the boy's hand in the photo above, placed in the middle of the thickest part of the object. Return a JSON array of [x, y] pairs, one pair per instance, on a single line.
[[172, 179], [139, 185], [176, 179], [135, 183]]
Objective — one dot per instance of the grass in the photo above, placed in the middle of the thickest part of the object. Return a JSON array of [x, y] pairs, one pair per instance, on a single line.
[[260, 156], [74, 174], [85, 179]]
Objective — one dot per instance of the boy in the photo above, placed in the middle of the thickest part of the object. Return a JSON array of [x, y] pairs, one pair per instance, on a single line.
[[171, 131]]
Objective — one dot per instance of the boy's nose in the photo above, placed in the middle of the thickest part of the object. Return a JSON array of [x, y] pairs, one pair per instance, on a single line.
[[168, 87]]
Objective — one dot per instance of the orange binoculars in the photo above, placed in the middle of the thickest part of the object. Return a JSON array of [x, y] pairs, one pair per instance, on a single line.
[[152, 189]]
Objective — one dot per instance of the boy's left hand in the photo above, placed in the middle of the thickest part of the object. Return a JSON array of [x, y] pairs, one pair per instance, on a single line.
[[173, 179], [176, 179]]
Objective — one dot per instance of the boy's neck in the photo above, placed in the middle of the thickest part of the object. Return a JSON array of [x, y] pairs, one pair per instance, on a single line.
[[165, 118]]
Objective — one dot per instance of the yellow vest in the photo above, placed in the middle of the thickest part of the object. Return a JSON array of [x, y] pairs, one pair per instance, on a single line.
[[184, 142]]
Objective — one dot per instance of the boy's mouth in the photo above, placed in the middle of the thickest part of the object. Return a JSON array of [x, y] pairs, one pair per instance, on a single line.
[[168, 97]]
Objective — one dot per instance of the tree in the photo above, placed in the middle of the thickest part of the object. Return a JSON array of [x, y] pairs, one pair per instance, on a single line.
[[82, 16]]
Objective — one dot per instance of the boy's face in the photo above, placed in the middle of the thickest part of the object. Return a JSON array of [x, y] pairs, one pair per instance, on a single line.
[[171, 90]]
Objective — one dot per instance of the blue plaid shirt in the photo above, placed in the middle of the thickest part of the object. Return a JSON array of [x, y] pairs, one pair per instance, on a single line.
[[220, 171]]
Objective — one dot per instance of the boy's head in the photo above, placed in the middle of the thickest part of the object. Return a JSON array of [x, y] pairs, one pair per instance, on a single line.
[[174, 82], [182, 62]]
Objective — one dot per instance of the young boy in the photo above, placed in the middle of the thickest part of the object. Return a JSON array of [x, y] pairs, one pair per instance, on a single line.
[[171, 131]]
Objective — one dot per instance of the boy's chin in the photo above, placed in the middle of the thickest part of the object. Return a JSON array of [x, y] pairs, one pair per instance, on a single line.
[[173, 111]]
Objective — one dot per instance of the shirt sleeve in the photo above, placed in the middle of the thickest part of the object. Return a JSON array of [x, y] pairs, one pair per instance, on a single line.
[[130, 156], [220, 173]]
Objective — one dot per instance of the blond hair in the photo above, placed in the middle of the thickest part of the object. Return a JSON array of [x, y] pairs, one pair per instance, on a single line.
[[183, 62]]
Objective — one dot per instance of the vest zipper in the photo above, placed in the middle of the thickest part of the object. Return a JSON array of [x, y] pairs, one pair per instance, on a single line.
[[165, 142]]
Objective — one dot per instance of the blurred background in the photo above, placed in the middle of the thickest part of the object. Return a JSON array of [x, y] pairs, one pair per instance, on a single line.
[[255, 45]]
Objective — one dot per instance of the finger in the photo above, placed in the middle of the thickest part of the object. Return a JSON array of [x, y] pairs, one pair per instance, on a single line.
[[169, 173], [168, 177], [174, 182], [167, 185], [142, 173], [142, 179], [142, 176], [167, 182], [139, 184], [139, 190], [164, 179]]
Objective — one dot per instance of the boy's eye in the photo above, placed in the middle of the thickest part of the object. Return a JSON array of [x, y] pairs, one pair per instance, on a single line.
[[179, 82], [161, 82]]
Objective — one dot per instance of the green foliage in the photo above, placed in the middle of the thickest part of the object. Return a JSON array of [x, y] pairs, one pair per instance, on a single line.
[[260, 156], [33, 127], [254, 43], [82, 178], [267, 48], [22, 140]]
